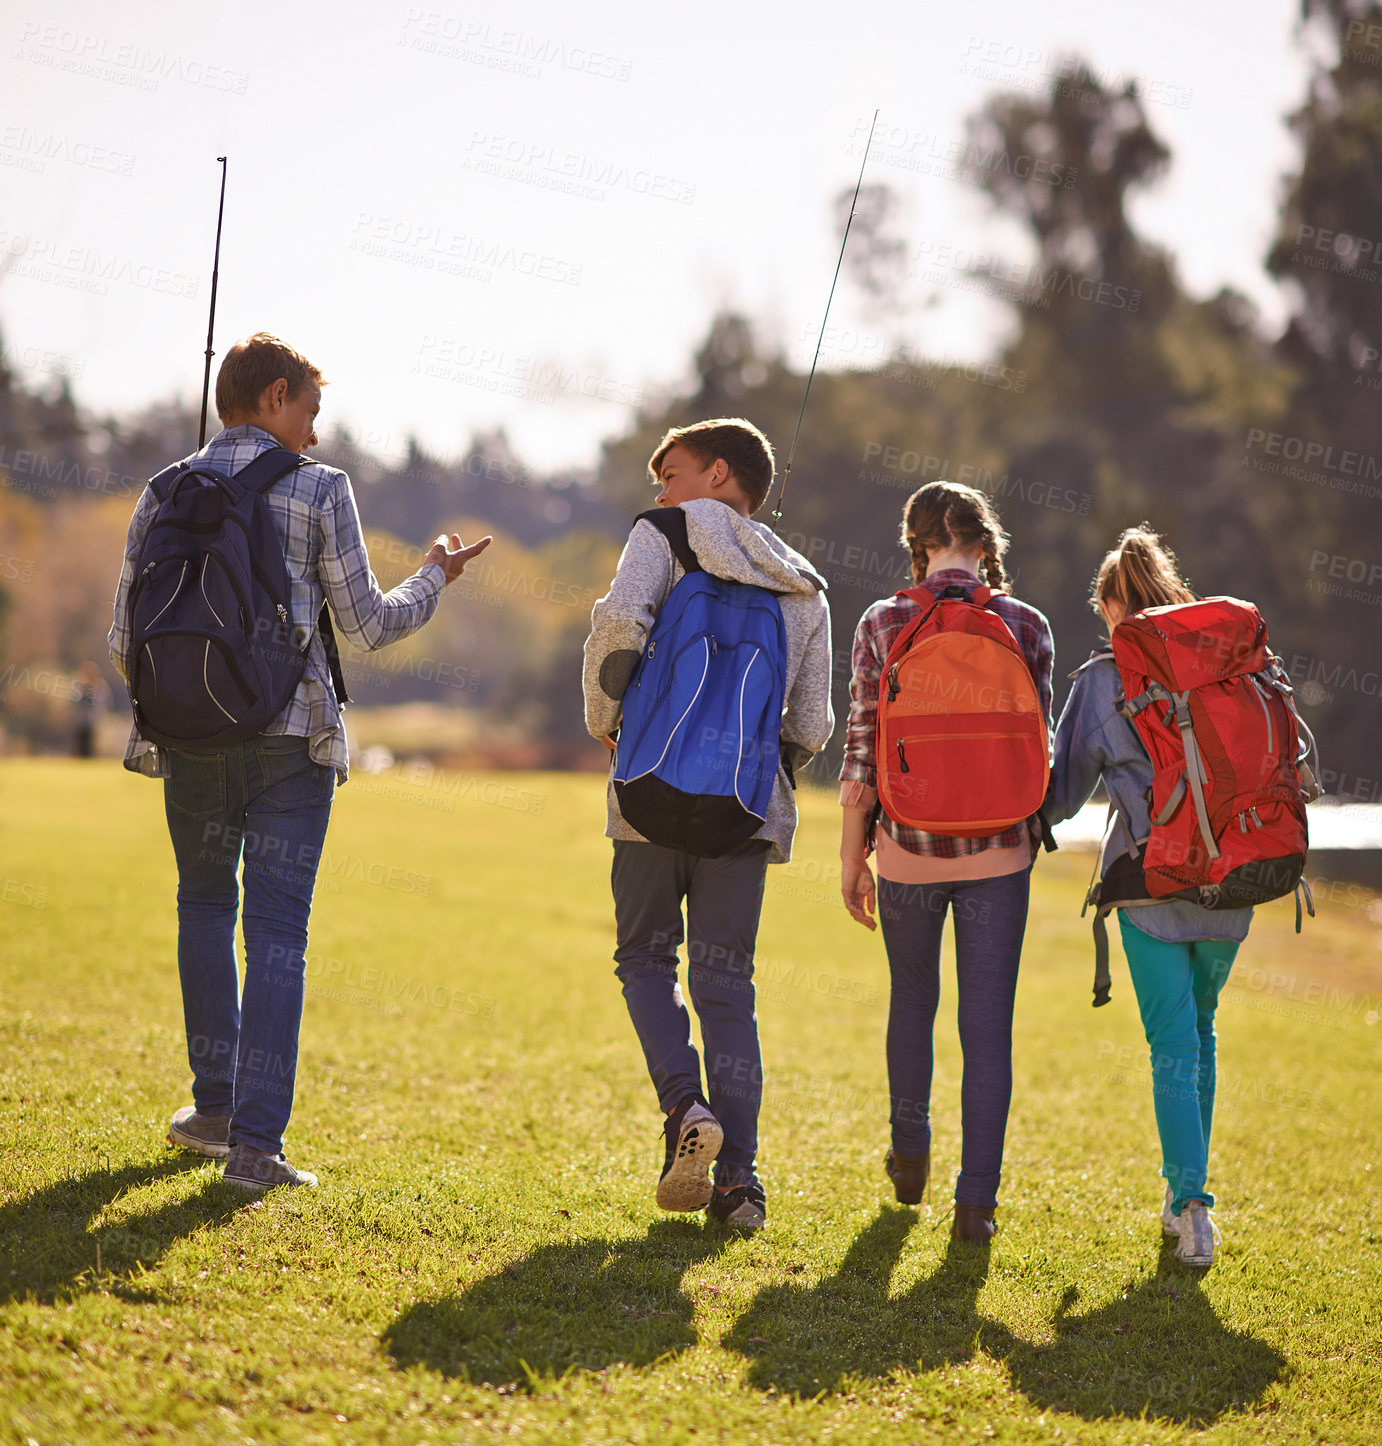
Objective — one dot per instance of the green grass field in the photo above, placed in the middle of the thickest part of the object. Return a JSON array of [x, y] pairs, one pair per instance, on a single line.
[[484, 1259]]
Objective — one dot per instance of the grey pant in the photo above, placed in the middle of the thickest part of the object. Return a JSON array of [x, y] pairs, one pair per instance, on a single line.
[[723, 898]]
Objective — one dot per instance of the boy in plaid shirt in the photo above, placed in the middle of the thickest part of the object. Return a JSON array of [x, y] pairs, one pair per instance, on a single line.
[[268, 796]]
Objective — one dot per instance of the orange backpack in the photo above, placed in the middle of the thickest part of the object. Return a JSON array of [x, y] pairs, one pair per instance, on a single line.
[[962, 741]]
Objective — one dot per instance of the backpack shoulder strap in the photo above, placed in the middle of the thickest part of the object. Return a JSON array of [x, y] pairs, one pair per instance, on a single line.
[[266, 469], [161, 483], [671, 523]]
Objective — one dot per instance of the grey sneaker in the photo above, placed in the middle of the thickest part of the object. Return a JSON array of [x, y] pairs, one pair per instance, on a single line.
[[745, 1207], [206, 1134], [252, 1171], [1198, 1235], [693, 1138]]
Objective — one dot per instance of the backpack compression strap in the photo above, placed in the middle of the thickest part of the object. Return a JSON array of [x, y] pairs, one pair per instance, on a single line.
[[671, 523]]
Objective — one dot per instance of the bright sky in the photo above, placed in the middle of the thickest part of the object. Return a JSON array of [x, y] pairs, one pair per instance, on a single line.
[[525, 214]]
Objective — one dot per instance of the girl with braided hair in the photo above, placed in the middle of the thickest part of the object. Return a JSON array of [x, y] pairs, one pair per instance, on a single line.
[[1179, 954], [955, 540]]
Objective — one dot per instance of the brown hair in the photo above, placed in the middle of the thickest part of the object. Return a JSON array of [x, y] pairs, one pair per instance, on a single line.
[[254, 364], [1140, 572], [738, 444], [941, 515]]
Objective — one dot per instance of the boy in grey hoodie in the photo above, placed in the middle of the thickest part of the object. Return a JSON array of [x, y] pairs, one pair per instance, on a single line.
[[718, 472]]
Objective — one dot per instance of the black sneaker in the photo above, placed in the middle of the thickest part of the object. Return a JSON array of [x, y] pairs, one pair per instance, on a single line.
[[694, 1138], [745, 1207]]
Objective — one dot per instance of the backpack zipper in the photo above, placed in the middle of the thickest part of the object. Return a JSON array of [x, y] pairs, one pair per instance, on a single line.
[[902, 756]]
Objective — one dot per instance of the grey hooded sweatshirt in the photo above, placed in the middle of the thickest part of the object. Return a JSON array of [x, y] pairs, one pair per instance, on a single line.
[[730, 546]]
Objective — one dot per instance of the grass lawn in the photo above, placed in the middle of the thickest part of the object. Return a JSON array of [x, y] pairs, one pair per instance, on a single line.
[[484, 1259]]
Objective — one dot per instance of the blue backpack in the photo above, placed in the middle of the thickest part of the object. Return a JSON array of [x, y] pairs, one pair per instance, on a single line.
[[213, 656], [700, 736]]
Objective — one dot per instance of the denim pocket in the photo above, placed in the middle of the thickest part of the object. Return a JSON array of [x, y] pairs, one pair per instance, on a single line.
[[290, 778], [196, 783]]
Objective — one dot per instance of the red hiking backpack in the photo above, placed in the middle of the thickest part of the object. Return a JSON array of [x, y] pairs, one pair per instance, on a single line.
[[962, 742], [1213, 707]]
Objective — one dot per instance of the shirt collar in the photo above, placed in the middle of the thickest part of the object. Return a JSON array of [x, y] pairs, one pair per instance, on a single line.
[[241, 433], [950, 577]]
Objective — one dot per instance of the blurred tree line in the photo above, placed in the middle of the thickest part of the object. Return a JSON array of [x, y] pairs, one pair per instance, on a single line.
[[1119, 398]]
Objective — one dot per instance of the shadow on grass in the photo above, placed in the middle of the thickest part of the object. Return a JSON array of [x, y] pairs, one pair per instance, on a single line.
[[47, 1247], [805, 1340], [578, 1305], [1159, 1348]]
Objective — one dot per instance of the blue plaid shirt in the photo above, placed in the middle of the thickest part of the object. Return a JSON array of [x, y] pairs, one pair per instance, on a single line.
[[878, 629], [314, 514]]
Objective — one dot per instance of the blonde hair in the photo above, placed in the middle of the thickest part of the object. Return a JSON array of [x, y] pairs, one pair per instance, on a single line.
[[942, 515], [1140, 572], [256, 363]]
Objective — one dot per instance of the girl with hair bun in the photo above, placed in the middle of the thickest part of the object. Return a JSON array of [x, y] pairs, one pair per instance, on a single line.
[[1179, 954], [955, 538]]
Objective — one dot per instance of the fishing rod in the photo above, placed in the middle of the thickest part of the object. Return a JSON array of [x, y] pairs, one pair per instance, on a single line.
[[791, 451], [211, 324]]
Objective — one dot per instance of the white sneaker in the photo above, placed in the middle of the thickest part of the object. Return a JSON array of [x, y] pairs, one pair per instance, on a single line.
[[1198, 1235], [1170, 1227]]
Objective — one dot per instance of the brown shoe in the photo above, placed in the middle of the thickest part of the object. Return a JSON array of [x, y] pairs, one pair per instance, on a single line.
[[908, 1174], [973, 1223]]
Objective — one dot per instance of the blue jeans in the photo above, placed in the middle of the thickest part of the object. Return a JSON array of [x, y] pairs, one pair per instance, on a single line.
[[990, 920], [1177, 988], [263, 798], [724, 898]]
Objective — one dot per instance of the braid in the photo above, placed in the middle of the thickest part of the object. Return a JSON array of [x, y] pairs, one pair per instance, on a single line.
[[994, 575], [942, 515], [918, 551]]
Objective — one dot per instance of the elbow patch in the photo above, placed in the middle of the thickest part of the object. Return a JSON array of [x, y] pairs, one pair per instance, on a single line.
[[615, 672]]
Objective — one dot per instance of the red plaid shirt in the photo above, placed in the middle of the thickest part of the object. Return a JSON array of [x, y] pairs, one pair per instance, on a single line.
[[877, 631]]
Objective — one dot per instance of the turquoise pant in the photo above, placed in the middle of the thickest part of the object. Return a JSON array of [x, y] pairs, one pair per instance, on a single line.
[[1177, 988]]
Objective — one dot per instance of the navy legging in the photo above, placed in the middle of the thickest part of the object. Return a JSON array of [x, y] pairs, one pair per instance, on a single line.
[[990, 919]]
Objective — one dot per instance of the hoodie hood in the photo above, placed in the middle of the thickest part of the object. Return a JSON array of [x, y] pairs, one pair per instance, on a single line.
[[738, 549]]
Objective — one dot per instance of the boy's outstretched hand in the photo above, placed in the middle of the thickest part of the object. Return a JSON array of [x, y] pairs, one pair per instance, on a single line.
[[452, 558], [857, 886]]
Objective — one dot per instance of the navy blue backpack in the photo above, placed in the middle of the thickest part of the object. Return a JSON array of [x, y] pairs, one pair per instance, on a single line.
[[702, 720], [213, 656]]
